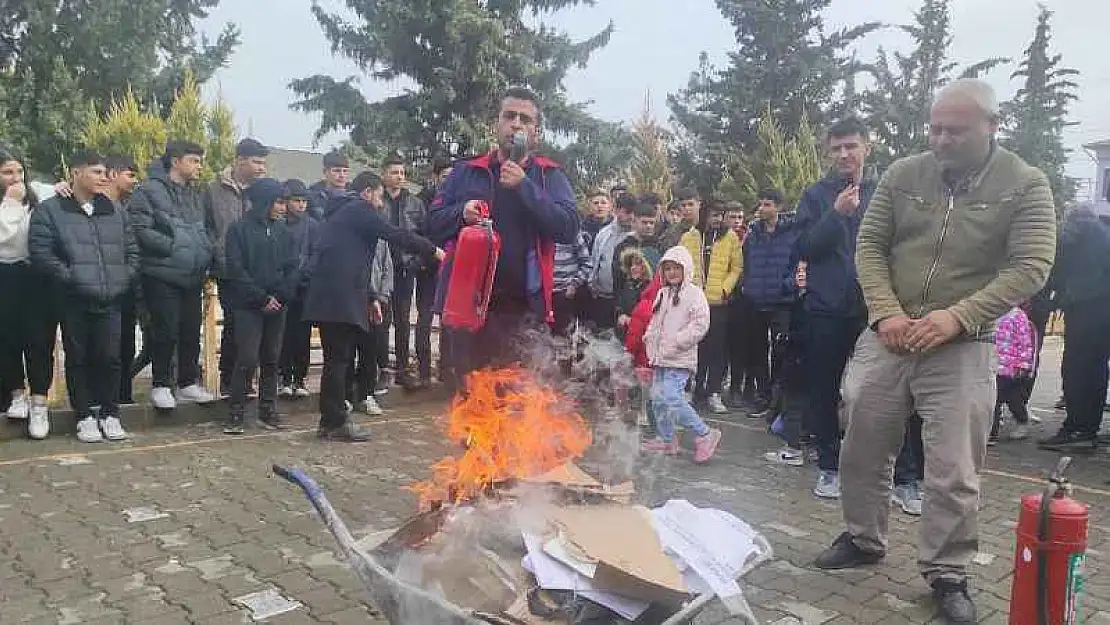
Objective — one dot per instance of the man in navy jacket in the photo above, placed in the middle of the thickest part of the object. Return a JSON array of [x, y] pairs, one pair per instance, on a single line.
[[532, 207], [829, 215]]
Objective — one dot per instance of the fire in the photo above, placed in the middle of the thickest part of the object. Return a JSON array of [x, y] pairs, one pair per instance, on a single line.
[[512, 427]]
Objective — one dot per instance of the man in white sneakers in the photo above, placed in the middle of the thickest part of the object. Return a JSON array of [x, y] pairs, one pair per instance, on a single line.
[[84, 244]]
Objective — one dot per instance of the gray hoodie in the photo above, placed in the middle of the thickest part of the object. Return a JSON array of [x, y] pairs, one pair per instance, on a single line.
[[605, 247]]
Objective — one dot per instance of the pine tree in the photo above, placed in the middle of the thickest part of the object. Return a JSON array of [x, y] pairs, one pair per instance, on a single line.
[[650, 171], [1038, 114], [461, 55], [57, 55], [897, 109], [221, 134], [788, 162], [785, 62], [126, 130]]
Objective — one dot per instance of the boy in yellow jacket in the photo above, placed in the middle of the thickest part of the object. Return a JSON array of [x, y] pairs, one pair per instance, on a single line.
[[718, 266]]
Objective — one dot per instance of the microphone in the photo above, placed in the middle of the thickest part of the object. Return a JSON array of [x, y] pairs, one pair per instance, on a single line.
[[518, 149]]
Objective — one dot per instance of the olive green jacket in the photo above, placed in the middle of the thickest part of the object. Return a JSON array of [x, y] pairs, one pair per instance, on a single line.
[[976, 251]]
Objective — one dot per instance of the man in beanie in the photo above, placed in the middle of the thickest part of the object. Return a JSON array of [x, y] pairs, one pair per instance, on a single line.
[[337, 173], [298, 333], [261, 278], [224, 204]]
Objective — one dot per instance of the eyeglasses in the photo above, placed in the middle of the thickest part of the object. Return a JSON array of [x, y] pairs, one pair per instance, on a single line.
[[524, 118]]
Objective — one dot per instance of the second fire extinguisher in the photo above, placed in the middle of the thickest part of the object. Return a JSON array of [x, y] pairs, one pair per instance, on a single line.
[[471, 265], [1051, 550]]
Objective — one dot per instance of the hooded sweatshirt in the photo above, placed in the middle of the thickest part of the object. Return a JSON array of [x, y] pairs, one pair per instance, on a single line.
[[680, 318], [262, 261], [15, 224]]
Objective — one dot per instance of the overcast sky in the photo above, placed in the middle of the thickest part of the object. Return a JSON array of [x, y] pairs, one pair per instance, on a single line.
[[655, 48]]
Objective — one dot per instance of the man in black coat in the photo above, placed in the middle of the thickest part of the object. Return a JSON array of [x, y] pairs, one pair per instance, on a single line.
[[261, 275], [338, 298], [176, 253], [84, 244]]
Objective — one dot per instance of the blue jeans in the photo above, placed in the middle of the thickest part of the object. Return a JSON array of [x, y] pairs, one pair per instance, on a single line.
[[668, 401]]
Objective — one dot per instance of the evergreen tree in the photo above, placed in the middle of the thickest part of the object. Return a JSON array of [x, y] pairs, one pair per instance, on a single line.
[[650, 171], [126, 130], [1038, 114], [897, 109], [461, 55], [785, 62], [789, 162], [57, 55]]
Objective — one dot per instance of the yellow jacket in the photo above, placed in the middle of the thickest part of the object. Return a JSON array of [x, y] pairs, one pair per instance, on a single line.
[[726, 264]]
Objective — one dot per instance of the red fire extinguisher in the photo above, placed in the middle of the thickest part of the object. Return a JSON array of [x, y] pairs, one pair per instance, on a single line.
[[1051, 550], [472, 264]]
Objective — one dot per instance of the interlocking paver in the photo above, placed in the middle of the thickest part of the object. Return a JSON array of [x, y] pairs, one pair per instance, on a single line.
[[68, 554]]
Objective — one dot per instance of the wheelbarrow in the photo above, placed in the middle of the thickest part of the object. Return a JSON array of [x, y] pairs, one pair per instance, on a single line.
[[404, 604]]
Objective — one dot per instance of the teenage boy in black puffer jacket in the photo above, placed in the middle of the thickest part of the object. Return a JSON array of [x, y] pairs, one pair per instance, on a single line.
[[84, 244]]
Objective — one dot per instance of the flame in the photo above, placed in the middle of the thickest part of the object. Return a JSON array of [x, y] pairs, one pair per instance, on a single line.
[[512, 427]]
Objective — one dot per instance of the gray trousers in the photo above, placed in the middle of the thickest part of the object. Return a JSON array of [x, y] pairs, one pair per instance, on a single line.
[[952, 388]]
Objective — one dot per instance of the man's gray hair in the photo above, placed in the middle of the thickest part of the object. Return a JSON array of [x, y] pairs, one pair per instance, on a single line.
[[978, 91]]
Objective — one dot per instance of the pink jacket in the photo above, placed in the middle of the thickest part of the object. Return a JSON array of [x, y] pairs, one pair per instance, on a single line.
[[1016, 342], [679, 320]]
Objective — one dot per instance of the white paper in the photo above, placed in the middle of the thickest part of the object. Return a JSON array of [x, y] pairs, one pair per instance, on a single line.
[[694, 538], [266, 604], [554, 575], [557, 548]]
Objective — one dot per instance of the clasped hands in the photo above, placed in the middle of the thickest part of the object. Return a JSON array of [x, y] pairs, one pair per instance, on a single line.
[[902, 334]]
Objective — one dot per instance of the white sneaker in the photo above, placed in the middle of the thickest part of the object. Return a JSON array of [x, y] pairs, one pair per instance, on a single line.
[[370, 406], [196, 394], [20, 407], [787, 455], [162, 398], [285, 391], [38, 427], [1019, 432], [88, 431], [716, 406], [113, 429], [828, 485], [300, 391]]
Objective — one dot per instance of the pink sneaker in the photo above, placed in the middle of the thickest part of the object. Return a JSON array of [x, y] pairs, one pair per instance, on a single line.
[[706, 446], [658, 445]]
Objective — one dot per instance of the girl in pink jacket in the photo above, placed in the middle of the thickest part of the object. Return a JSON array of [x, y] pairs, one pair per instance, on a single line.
[[1016, 344], [679, 320]]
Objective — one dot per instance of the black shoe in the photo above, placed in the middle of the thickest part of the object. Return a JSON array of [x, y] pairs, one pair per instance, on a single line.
[[844, 554], [348, 432], [954, 602], [234, 426], [272, 421], [1070, 441], [409, 383], [1060, 404], [760, 411]]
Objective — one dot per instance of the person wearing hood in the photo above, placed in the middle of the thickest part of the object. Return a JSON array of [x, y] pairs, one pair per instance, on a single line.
[[679, 321], [338, 298], [297, 341], [225, 202], [263, 272], [718, 266], [168, 220], [829, 216]]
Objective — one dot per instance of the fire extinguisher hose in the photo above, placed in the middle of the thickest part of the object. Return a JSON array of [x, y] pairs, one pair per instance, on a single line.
[[1057, 485]]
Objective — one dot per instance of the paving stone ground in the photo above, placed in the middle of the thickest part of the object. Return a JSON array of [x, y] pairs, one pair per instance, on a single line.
[[222, 527]]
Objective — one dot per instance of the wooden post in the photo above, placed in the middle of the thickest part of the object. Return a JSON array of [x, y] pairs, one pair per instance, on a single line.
[[210, 337], [58, 394]]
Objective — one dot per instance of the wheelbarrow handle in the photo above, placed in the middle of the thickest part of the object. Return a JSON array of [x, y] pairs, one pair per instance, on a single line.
[[311, 489]]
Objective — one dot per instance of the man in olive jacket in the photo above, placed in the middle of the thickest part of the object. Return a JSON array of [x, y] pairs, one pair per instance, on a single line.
[[952, 240]]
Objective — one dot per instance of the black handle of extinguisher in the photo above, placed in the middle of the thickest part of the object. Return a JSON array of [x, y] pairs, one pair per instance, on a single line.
[[1057, 483]]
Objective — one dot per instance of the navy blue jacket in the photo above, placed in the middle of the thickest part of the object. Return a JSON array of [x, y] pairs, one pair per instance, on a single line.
[[262, 261], [306, 236], [769, 261], [338, 287], [828, 245], [530, 219]]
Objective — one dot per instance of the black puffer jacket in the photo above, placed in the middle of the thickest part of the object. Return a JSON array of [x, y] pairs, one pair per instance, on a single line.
[[262, 261], [94, 257], [168, 221]]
